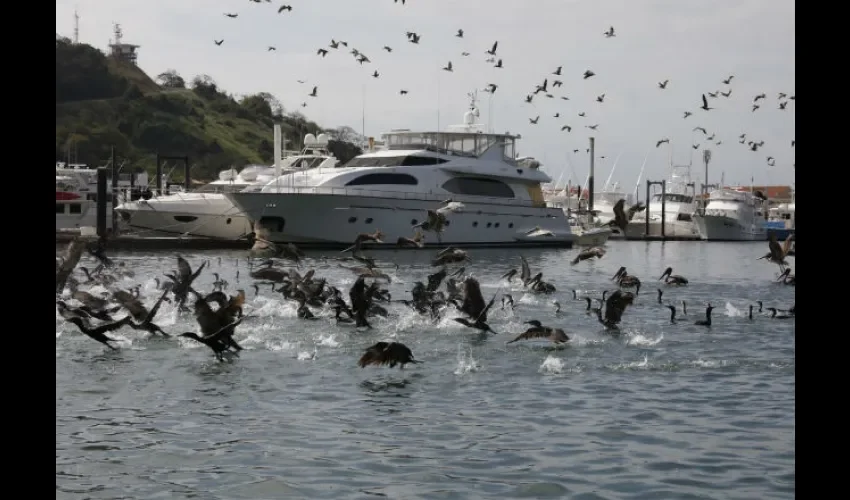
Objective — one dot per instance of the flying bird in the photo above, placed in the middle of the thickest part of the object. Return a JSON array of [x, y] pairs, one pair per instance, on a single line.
[[609, 33], [459, 34], [705, 103], [663, 85]]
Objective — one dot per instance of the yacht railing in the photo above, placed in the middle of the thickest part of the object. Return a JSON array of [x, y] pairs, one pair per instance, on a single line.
[[401, 195]]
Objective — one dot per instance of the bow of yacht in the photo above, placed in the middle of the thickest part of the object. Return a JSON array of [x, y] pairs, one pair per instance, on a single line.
[[393, 189]]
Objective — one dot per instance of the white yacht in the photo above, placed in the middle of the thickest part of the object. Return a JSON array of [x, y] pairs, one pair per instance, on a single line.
[[679, 208], [206, 212], [76, 195], [733, 215], [391, 190]]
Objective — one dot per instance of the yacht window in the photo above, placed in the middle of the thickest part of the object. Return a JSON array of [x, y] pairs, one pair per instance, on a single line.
[[230, 187], [684, 217], [374, 179], [75, 208], [393, 161], [185, 218], [413, 161], [60, 208], [478, 187]]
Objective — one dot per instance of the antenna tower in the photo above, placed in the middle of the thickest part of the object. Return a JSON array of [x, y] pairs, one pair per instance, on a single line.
[[76, 27]]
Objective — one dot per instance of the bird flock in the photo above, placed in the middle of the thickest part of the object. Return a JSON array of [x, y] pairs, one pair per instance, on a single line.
[[444, 291], [553, 84]]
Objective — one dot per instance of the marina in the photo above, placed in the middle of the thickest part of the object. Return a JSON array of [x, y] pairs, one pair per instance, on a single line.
[[298, 258]]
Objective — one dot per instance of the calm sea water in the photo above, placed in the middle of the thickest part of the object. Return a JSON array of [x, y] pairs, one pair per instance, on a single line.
[[662, 412]]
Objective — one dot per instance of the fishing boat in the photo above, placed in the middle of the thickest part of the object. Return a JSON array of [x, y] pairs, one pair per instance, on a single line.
[[733, 215], [673, 209]]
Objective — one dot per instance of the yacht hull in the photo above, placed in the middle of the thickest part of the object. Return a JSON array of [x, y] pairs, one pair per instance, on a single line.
[[208, 217], [681, 230], [722, 228], [322, 220]]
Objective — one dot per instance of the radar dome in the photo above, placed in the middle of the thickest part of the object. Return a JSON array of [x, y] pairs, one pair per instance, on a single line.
[[322, 139], [227, 175], [309, 139]]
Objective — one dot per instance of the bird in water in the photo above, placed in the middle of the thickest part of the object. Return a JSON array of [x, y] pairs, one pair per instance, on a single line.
[[387, 353], [787, 278], [626, 281], [660, 293], [99, 332], [774, 315], [218, 340], [557, 306], [672, 313], [673, 279], [365, 238], [473, 306], [508, 299], [538, 331], [418, 241], [615, 306], [137, 310], [684, 308], [450, 255], [707, 320], [778, 252], [750, 315], [589, 253]]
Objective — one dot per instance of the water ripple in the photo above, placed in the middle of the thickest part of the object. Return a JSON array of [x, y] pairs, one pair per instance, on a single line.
[[662, 411]]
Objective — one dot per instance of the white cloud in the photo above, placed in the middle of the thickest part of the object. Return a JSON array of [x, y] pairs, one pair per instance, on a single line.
[[693, 44]]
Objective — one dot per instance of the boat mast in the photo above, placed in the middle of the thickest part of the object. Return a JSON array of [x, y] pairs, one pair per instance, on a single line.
[[640, 176], [608, 180]]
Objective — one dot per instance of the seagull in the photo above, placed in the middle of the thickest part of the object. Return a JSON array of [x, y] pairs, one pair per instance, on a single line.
[[610, 32], [705, 103], [663, 84], [538, 231]]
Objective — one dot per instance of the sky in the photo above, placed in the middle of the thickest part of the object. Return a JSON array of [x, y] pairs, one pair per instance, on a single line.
[[693, 44]]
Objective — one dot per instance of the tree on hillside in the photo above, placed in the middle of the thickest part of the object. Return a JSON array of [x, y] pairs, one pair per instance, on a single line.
[[170, 79], [343, 151], [82, 73], [257, 105], [274, 104], [205, 86], [345, 134]]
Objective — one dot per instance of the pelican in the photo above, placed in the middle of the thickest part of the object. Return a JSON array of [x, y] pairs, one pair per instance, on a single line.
[[673, 279], [778, 253]]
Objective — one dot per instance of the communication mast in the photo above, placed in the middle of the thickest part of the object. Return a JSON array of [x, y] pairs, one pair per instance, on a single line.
[[76, 28], [122, 51]]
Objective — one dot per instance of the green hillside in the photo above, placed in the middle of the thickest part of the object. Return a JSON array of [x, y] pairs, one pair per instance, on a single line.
[[102, 102]]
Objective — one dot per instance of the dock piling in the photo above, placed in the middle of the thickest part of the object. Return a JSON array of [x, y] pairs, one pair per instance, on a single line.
[[101, 202], [114, 165], [590, 177]]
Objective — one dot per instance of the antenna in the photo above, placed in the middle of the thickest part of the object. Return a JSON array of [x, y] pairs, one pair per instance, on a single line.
[[76, 27], [363, 113]]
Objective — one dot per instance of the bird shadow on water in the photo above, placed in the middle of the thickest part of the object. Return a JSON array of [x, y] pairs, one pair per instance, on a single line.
[[390, 385]]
